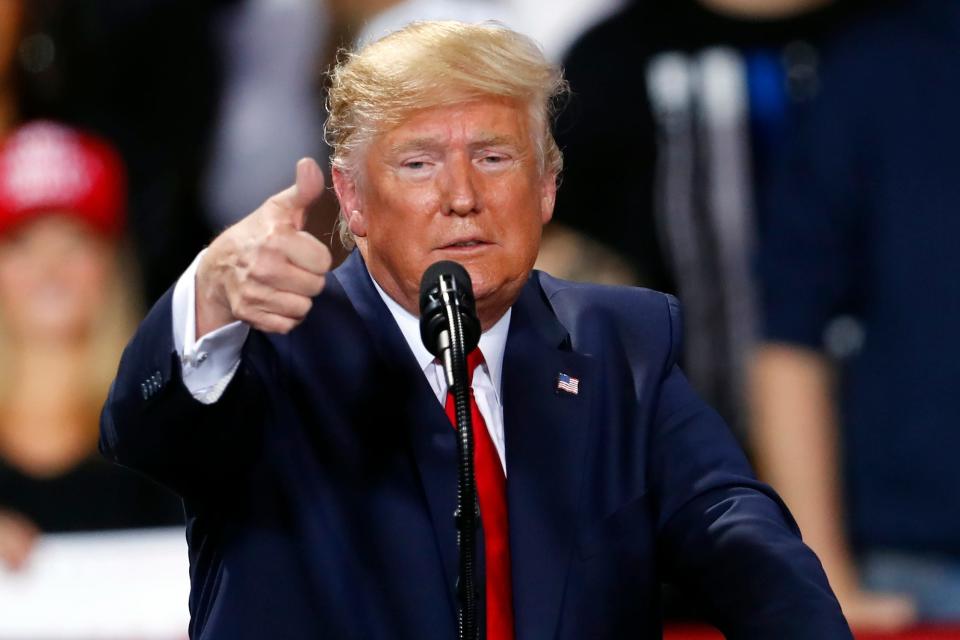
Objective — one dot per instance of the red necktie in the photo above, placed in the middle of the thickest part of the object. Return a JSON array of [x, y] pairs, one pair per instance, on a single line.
[[492, 495]]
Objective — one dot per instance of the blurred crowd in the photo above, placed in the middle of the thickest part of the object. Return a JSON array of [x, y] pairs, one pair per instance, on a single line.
[[787, 168]]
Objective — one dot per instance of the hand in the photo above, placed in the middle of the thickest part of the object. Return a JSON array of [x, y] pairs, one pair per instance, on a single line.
[[265, 269], [884, 612], [17, 536]]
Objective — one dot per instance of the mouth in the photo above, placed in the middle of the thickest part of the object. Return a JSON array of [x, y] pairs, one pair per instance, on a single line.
[[465, 245]]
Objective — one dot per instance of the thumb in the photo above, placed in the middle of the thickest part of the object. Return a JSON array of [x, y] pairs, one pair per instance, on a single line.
[[309, 185], [305, 191]]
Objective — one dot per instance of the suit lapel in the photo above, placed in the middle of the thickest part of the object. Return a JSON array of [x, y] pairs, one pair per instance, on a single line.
[[545, 445], [433, 441]]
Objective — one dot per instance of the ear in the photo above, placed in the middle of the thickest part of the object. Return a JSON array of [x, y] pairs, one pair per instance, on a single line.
[[351, 203], [548, 196]]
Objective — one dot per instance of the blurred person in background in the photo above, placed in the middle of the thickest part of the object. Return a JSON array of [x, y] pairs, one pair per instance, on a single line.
[[665, 165], [65, 312], [855, 386]]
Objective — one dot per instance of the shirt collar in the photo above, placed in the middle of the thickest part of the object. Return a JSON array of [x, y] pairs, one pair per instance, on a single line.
[[493, 341]]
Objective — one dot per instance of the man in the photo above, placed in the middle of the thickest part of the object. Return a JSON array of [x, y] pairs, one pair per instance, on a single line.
[[305, 429]]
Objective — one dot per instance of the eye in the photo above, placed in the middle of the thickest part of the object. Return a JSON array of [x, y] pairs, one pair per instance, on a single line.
[[417, 166], [494, 159]]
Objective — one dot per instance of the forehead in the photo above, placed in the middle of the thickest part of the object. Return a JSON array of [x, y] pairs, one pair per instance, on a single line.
[[487, 120], [48, 226]]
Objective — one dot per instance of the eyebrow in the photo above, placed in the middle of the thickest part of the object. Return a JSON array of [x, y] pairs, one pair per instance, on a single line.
[[494, 141], [416, 144]]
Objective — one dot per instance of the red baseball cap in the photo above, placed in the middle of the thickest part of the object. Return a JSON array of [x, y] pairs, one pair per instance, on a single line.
[[47, 168]]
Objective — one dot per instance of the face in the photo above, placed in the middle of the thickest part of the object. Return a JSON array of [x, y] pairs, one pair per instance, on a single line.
[[53, 277], [460, 182]]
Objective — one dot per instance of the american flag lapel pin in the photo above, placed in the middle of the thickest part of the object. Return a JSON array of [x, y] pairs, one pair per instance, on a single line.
[[568, 384]]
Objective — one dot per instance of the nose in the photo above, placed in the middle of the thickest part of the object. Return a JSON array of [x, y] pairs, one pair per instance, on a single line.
[[462, 195]]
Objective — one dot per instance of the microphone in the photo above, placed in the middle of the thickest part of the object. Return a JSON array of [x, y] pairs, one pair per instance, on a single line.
[[450, 329], [446, 296]]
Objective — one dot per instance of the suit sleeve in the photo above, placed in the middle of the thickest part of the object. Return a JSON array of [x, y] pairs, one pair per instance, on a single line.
[[152, 423], [725, 537]]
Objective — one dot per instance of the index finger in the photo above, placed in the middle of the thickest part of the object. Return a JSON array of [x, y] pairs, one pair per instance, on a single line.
[[306, 251]]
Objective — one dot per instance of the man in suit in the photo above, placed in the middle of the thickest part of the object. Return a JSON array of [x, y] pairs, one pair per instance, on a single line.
[[305, 427]]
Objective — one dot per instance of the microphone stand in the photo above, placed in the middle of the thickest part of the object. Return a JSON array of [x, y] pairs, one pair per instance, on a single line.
[[467, 514]]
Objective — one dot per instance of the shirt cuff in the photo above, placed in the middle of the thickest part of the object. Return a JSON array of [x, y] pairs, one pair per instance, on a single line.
[[207, 365]]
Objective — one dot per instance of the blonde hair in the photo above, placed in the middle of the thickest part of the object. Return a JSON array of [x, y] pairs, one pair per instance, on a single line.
[[430, 64]]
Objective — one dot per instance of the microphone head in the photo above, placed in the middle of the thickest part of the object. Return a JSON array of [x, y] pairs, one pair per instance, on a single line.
[[431, 279], [433, 318]]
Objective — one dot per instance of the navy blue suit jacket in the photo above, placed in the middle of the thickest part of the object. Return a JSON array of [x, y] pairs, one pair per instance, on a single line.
[[320, 488]]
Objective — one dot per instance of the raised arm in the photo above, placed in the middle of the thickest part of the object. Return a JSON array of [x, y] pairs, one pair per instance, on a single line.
[[263, 271]]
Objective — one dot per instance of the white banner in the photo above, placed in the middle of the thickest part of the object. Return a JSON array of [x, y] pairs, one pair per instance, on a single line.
[[116, 585]]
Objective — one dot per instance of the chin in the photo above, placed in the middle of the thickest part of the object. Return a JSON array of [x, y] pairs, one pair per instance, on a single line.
[[483, 287]]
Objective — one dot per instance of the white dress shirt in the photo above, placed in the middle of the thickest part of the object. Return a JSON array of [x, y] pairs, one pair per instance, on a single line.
[[208, 364]]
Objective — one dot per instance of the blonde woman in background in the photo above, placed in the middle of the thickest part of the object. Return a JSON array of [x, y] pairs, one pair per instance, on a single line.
[[65, 313]]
